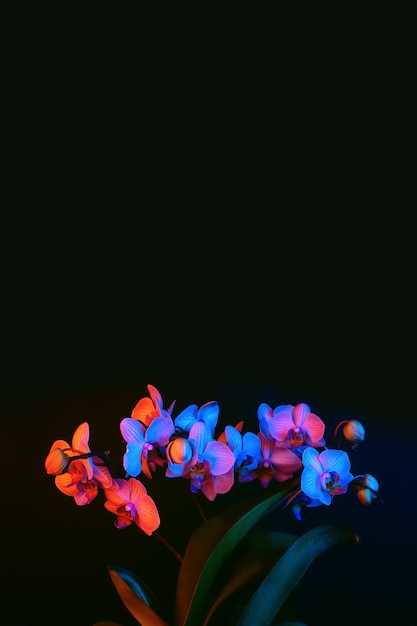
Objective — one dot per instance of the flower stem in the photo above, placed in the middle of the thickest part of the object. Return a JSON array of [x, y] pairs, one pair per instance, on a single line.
[[169, 546], [200, 510]]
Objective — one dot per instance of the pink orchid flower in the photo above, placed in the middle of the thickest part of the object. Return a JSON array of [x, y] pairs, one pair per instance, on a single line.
[[276, 463], [143, 442], [130, 502], [84, 476], [291, 426], [147, 409], [325, 474]]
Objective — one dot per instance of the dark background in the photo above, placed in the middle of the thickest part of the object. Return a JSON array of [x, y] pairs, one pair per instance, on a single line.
[[219, 201]]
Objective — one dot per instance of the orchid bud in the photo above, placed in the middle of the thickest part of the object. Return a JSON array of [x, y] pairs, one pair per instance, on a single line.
[[57, 462], [367, 490], [179, 451], [354, 431]]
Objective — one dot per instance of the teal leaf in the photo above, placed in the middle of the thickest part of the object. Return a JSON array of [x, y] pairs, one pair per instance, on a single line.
[[136, 596], [210, 546], [288, 571], [258, 552]]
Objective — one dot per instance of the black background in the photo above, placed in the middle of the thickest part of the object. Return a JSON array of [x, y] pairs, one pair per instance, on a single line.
[[218, 200]]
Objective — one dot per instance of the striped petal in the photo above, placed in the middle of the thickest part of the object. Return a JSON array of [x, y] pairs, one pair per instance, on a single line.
[[209, 413], [160, 430], [220, 457], [132, 430]]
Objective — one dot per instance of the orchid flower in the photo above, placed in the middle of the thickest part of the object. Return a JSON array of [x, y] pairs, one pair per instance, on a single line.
[[276, 463], [325, 474], [142, 443], [81, 477], [247, 451], [130, 502], [211, 466], [147, 409], [291, 426], [208, 413]]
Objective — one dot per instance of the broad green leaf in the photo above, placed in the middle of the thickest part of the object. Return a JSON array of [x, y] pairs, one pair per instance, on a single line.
[[287, 573], [260, 551], [210, 546], [136, 597]]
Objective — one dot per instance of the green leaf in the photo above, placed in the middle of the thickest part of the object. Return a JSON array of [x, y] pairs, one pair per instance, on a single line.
[[136, 597], [210, 546], [286, 574], [260, 551]]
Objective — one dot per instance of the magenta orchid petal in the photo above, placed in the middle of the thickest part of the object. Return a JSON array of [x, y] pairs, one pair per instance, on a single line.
[[160, 430], [300, 412], [314, 427], [266, 447], [285, 460], [132, 430], [220, 457], [280, 424], [224, 482], [186, 418]]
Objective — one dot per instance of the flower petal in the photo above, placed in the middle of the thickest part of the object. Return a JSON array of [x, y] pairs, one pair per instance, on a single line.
[[314, 427], [132, 461], [132, 430], [186, 418], [280, 424], [81, 437], [156, 398], [335, 461], [209, 413], [224, 482], [160, 430], [142, 409], [233, 439], [311, 459], [220, 457], [300, 412], [285, 460], [199, 436], [311, 485], [251, 445]]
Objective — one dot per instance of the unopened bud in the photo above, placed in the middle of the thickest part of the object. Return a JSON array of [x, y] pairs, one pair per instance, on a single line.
[[57, 462], [354, 431], [179, 451], [367, 490]]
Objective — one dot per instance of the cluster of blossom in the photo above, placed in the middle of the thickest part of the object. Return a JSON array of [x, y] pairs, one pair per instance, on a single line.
[[290, 442]]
